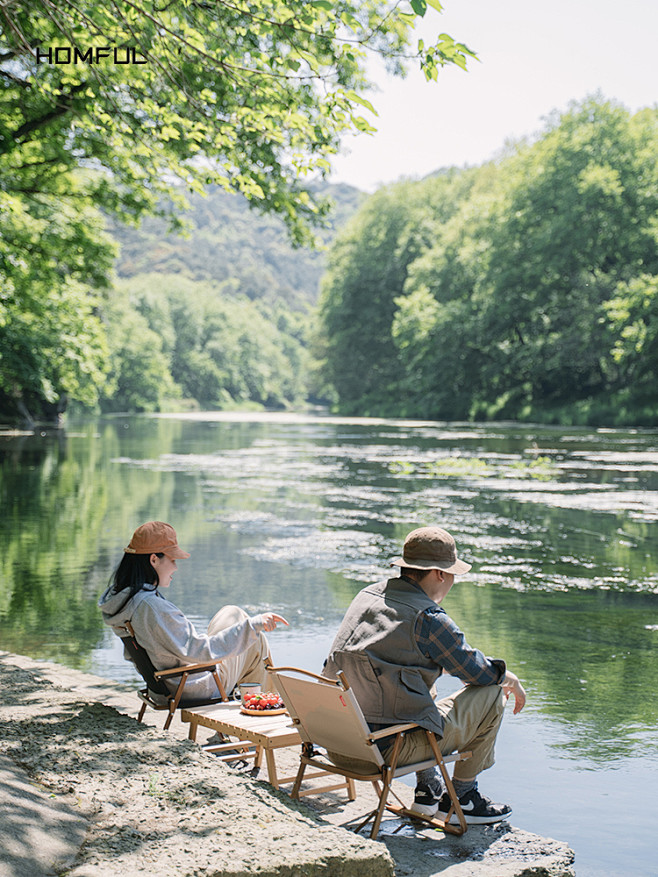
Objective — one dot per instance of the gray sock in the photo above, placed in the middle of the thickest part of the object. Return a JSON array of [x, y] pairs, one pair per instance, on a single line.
[[461, 787], [432, 778]]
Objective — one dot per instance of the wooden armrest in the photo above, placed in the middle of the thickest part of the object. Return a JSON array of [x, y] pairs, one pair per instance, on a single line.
[[272, 669], [187, 668], [391, 730]]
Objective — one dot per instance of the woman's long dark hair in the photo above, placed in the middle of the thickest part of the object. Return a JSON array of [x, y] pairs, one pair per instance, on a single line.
[[134, 573]]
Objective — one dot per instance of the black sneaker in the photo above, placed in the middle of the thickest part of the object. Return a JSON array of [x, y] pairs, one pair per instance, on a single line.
[[478, 810], [426, 800]]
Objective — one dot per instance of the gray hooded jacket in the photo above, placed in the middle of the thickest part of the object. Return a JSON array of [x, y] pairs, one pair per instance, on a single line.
[[170, 638]]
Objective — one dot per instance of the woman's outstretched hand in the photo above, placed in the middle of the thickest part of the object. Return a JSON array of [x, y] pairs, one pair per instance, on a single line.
[[271, 619]]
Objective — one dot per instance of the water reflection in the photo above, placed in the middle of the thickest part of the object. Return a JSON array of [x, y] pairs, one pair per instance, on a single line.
[[296, 513], [342, 495]]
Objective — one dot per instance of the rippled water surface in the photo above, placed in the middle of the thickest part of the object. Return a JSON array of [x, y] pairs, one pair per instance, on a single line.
[[297, 513]]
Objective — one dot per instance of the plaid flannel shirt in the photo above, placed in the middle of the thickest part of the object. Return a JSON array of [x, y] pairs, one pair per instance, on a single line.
[[440, 640]]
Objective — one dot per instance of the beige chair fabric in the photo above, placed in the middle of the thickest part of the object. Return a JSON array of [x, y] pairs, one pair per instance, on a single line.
[[328, 717]]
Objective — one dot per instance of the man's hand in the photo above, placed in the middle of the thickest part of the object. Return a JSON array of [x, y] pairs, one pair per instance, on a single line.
[[511, 685]]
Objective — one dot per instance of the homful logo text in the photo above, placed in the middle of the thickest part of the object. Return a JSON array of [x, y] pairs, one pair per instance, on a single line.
[[63, 55]]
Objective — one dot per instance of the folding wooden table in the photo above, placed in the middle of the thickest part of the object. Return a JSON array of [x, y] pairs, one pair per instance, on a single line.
[[262, 733]]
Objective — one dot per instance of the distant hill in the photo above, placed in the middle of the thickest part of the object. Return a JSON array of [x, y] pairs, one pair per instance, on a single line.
[[231, 243]]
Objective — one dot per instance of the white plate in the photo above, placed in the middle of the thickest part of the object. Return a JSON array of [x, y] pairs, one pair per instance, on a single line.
[[249, 712]]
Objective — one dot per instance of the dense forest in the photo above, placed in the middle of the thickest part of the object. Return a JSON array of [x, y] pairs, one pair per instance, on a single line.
[[224, 312], [526, 288], [213, 315], [252, 99]]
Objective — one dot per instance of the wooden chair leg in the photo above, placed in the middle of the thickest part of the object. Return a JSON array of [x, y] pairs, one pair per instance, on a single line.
[[294, 793], [381, 806], [388, 773], [456, 806], [140, 715]]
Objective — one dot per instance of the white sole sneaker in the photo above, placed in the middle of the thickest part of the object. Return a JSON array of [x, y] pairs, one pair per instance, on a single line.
[[424, 809], [475, 820]]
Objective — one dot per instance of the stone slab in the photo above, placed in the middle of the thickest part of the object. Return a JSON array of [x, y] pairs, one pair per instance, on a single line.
[[154, 803]]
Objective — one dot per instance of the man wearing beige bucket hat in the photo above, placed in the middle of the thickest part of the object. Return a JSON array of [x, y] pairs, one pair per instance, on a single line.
[[168, 636], [394, 642]]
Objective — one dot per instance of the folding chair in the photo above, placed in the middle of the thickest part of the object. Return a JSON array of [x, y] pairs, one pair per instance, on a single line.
[[327, 715], [156, 694]]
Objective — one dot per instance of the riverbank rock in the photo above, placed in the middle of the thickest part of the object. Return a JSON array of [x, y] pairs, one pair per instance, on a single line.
[[484, 851], [86, 790]]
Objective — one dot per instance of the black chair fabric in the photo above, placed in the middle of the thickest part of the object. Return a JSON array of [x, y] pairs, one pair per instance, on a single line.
[[144, 666]]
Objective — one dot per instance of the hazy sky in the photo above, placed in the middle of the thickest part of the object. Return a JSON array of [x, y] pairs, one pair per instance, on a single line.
[[535, 57]]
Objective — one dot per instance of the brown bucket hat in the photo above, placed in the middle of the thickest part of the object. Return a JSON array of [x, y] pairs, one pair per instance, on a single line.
[[431, 548], [156, 537]]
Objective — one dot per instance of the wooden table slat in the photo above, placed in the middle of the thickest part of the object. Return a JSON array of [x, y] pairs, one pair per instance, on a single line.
[[269, 732]]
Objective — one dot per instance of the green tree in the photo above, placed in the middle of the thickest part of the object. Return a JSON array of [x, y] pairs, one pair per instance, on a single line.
[[139, 377], [53, 258], [530, 293], [253, 98], [633, 315], [261, 92], [367, 269], [218, 347], [367, 357], [576, 216], [436, 326]]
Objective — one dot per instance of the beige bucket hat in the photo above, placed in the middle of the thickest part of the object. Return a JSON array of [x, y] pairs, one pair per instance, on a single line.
[[431, 548]]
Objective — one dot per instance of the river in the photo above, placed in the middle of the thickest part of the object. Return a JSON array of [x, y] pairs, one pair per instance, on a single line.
[[296, 513]]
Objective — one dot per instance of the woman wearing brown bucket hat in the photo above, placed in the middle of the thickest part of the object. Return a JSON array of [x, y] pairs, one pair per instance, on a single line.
[[168, 636], [393, 644]]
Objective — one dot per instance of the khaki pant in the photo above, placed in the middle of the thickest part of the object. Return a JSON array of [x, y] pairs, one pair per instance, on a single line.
[[472, 718], [248, 666]]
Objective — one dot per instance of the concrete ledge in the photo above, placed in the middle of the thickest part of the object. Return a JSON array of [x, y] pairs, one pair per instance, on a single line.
[[152, 803], [38, 835], [87, 790]]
